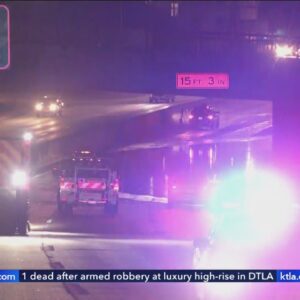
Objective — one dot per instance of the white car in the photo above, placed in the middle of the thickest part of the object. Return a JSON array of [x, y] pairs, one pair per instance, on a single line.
[[49, 106]]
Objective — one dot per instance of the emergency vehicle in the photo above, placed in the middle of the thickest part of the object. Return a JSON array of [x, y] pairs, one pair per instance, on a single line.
[[87, 179]]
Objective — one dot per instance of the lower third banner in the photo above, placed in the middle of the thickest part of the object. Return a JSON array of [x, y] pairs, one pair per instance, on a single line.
[[146, 276]]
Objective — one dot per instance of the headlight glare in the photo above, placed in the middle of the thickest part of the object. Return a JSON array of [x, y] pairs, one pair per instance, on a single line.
[[53, 107], [39, 106], [19, 179]]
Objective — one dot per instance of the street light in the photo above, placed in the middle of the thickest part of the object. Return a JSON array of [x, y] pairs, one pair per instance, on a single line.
[[19, 179], [27, 136]]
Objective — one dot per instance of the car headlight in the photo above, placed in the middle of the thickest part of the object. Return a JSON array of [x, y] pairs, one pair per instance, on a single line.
[[19, 179], [39, 106], [53, 107]]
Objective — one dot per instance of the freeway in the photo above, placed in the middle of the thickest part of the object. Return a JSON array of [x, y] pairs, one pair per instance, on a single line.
[[142, 234], [109, 121], [79, 111], [82, 110]]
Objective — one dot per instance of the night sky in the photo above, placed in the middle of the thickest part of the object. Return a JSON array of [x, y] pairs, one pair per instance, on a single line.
[[83, 45]]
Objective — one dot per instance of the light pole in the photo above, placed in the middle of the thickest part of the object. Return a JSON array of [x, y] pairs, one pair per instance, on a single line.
[[26, 153], [20, 182]]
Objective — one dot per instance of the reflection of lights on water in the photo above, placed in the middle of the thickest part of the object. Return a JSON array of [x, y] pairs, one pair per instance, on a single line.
[[166, 190], [249, 161], [151, 185], [164, 163], [212, 156], [231, 161]]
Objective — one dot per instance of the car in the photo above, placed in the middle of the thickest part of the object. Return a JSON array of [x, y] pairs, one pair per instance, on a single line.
[[203, 116], [49, 106], [161, 98]]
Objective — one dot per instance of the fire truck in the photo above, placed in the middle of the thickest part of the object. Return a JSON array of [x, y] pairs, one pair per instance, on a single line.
[[14, 185], [86, 179]]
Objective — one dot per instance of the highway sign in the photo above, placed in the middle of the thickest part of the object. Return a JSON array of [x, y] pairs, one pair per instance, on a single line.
[[4, 38], [202, 81]]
